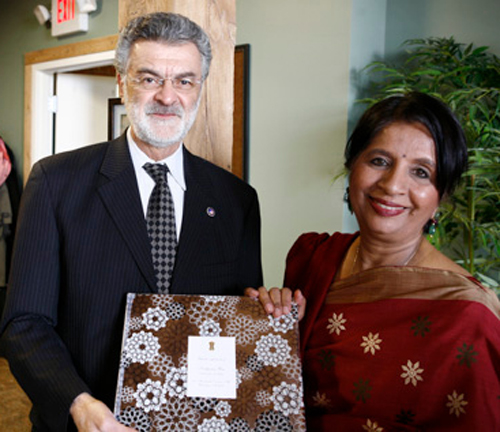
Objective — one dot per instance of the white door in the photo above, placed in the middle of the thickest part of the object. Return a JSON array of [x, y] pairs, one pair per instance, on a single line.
[[81, 109]]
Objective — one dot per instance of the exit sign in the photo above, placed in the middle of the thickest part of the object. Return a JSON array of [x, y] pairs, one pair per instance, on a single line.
[[67, 19]]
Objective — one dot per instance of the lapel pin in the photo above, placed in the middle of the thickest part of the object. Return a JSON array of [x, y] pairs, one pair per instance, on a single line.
[[210, 211]]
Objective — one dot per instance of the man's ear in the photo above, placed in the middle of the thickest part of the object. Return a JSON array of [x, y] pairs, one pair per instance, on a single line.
[[121, 83]]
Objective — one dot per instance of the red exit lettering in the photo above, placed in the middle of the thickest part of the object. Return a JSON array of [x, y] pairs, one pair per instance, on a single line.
[[65, 10]]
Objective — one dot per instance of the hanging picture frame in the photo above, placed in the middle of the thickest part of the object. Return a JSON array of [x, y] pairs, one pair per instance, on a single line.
[[117, 118]]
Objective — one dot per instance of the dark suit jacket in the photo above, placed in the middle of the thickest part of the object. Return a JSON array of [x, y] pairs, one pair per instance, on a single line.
[[82, 244]]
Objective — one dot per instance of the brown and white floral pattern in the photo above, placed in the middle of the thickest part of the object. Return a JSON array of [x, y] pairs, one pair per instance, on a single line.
[[151, 393]]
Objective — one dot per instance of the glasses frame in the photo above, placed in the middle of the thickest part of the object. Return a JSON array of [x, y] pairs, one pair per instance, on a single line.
[[159, 82]]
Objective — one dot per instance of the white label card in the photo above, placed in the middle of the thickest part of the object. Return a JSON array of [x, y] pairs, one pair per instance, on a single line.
[[211, 370]]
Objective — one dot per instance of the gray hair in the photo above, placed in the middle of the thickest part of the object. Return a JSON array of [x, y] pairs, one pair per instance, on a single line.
[[166, 27]]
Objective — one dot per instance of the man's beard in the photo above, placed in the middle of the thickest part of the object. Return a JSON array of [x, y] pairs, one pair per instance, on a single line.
[[144, 128]]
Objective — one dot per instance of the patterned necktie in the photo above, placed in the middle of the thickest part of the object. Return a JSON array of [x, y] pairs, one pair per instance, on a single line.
[[161, 226]]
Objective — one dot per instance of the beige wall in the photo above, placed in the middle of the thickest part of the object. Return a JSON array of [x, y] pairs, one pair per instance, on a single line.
[[298, 117]]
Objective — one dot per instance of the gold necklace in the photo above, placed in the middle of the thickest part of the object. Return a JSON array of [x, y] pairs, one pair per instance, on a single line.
[[412, 255]]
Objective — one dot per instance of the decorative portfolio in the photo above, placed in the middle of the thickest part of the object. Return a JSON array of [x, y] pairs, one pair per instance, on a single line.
[[208, 363]]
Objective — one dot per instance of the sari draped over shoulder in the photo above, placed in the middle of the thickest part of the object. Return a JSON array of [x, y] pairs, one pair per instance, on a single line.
[[394, 348]]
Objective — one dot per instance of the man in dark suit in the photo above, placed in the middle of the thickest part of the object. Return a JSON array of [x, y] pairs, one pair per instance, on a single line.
[[83, 242]]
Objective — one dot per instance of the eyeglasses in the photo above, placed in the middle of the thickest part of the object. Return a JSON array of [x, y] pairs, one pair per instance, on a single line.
[[152, 83]]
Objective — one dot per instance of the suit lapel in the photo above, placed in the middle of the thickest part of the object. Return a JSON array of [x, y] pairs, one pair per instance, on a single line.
[[196, 223], [120, 195]]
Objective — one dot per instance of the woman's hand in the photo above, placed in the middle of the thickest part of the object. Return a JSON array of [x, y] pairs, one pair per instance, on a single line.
[[278, 301]]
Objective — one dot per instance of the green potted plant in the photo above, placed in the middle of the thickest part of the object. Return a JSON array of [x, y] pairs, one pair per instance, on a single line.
[[468, 80]]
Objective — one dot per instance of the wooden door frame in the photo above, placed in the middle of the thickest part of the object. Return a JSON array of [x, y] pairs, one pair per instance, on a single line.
[[39, 69]]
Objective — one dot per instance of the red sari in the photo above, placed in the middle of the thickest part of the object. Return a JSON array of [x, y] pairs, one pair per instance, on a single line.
[[394, 348]]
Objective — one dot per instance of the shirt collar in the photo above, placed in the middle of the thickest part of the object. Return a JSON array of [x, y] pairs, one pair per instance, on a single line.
[[175, 161]]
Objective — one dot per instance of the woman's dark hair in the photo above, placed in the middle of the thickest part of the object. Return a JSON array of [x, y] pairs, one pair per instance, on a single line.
[[436, 116]]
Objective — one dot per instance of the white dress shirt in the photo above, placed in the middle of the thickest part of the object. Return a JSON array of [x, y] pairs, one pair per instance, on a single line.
[[176, 180]]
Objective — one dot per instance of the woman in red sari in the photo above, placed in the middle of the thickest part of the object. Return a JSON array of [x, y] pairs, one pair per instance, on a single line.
[[396, 336]]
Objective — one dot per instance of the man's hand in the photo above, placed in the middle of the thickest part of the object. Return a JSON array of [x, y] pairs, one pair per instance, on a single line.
[[91, 415], [278, 301]]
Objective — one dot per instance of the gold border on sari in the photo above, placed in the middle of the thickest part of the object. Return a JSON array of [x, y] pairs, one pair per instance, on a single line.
[[383, 283]]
